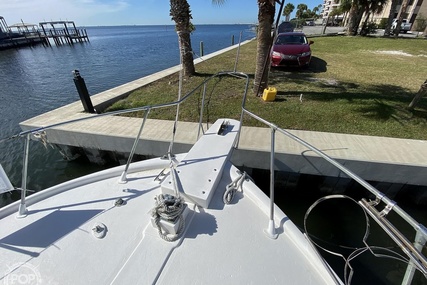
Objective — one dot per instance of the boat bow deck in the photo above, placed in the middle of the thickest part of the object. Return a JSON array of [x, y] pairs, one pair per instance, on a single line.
[[201, 169], [222, 244]]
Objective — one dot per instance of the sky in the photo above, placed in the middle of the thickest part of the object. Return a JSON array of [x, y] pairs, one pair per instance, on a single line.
[[130, 12]]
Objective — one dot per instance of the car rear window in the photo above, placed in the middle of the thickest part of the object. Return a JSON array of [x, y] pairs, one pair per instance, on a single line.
[[291, 39]]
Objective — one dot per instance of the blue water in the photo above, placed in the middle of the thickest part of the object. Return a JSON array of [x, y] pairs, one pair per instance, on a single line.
[[35, 80]]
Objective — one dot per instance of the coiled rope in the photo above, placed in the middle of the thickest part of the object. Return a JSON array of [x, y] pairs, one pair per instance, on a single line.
[[169, 208], [230, 189]]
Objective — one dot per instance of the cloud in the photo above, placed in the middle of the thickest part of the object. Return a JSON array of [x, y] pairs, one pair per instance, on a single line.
[[36, 11], [104, 6]]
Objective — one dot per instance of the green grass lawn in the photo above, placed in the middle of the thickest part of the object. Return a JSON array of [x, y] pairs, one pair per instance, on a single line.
[[355, 85]]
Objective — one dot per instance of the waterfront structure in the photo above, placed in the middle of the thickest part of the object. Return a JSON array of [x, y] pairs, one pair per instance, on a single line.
[[416, 9], [63, 32], [24, 34], [3, 27], [21, 34]]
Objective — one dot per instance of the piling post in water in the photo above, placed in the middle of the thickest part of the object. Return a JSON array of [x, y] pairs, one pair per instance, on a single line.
[[46, 37], [83, 93], [67, 35], [232, 40], [86, 36], [201, 48]]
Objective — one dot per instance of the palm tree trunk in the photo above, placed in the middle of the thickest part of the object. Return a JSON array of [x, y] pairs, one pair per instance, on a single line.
[[324, 27], [399, 17], [181, 15], [355, 16], [422, 92], [186, 53], [265, 21], [344, 19], [352, 18], [365, 23], [387, 30]]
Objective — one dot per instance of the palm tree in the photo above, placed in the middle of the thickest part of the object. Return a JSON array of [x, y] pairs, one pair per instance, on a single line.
[[355, 16], [399, 17], [301, 8], [360, 7], [372, 7], [266, 11], [181, 15], [335, 12], [345, 7], [393, 9], [289, 8], [316, 10]]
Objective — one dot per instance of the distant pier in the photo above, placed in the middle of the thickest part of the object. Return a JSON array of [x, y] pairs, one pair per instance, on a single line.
[[21, 34], [63, 32], [26, 34]]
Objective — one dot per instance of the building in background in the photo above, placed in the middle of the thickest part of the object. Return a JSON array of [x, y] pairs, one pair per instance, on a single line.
[[416, 10], [327, 7]]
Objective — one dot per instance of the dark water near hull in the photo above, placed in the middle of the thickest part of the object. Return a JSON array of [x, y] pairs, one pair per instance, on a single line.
[[339, 225], [35, 80]]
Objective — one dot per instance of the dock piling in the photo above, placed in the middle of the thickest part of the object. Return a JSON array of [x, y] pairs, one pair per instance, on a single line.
[[201, 49], [83, 93]]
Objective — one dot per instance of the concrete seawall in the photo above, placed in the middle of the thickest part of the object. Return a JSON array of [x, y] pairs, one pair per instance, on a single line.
[[373, 158]]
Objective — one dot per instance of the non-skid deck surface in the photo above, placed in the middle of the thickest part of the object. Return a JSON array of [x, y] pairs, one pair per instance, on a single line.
[[221, 245], [201, 169]]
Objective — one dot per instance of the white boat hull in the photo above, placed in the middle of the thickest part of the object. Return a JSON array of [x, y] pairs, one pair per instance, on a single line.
[[222, 244]]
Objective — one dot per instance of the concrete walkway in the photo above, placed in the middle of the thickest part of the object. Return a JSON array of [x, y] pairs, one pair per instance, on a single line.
[[373, 158]]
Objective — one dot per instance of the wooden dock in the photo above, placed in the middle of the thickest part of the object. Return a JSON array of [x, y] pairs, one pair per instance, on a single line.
[[21, 34], [25, 34], [63, 32]]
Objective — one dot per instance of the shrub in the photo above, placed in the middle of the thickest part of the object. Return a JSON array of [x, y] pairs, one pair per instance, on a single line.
[[370, 28], [420, 23], [383, 23]]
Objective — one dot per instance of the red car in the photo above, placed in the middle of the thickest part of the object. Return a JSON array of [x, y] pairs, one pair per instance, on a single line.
[[291, 49]]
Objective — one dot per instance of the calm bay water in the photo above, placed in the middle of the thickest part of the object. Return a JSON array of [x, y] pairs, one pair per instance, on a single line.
[[35, 80]]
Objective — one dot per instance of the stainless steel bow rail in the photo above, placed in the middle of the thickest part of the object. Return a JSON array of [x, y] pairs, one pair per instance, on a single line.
[[146, 109], [412, 250]]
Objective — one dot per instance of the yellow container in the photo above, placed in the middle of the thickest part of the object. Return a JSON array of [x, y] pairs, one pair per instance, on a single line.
[[269, 94]]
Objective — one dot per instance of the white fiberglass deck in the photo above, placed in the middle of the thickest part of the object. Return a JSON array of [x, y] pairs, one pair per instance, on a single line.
[[221, 245]]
